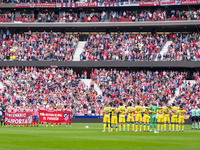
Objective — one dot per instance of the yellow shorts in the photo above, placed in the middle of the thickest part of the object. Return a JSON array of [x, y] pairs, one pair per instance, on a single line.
[[114, 119], [181, 120], [122, 119], [130, 119], [174, 119], [160, 118], [146, 118], [106, 119], [166, 118], [138, 118]]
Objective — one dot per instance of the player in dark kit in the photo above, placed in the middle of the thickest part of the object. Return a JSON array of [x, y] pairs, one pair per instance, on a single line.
[[2, 114]]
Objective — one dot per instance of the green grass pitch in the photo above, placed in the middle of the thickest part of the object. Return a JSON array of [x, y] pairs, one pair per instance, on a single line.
[[77, 137]]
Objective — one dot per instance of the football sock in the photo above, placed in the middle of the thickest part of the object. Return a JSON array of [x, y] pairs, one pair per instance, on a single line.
[[128, 126], [120, 127], [199, 125], [124, 126], [133, 126], [140, 127], [154, 126], [172, 126], [148, 127], [192, 125], [176, 126], [196, 125], [165, 126], [182, 127], [151, 126], [136, 126], [108, 126], [144, 126], [158, 127], [1, 123], [111, 128], [161, 126], [104, 126], [116, 128], [179, 127]]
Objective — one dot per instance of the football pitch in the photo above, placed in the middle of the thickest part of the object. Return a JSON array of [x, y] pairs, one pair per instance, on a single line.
[[77, 137]]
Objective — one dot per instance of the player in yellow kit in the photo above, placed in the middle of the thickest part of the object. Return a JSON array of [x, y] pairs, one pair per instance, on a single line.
[[167, 118], [138, 118], [114, 117], [174, 118], [146, 114], [181, 118], [130, 116], [106, 117], [160, 118], [122, 113]]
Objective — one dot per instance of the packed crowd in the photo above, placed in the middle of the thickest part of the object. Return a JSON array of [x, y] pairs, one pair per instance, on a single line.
[[37, 46], [132, 86], [129, 16], [28, 86], [122, 47], [184, 15], [189, 92], [184, 47], [25, 87]]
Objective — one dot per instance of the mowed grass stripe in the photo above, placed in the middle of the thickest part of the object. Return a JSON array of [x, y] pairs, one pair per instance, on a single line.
[[77, 137]]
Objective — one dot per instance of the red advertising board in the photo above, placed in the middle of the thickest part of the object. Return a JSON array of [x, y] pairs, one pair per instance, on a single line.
[[150, 3], [86, 5], [54, 116], [18, 118], [46, 5]]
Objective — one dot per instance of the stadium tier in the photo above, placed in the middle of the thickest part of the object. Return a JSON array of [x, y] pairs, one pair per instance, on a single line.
[[28, 86], [108, 15]]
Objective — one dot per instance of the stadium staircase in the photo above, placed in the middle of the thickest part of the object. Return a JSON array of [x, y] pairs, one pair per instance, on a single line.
[[79, 50], [177, 92], [164, 49], [87, 83]]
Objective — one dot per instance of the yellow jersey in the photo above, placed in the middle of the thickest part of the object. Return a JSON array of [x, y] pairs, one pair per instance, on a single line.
[[160, 111], [122, 111], [174, 111], [181, 113], [138, 110], [166, 110], [130, 111], [107, 111], [114, 111], [146, 111]]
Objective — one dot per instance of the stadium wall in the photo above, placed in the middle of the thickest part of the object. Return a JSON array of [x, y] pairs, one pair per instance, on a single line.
[[104, 64]]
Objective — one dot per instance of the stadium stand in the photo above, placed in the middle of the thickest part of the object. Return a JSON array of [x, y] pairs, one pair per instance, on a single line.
[[123, 47], [32, 46]]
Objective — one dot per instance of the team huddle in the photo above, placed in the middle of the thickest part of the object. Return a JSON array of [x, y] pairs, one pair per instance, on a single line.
[[156, 117]]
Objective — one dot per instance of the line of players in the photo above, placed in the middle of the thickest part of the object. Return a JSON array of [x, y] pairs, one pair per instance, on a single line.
[[35, 109], [155, 115]]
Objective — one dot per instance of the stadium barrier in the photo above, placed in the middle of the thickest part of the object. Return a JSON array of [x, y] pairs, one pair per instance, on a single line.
[[104, 64]]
